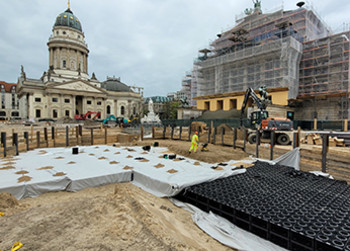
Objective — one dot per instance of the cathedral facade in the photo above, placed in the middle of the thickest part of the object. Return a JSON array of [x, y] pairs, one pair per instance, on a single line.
[[66, 89]]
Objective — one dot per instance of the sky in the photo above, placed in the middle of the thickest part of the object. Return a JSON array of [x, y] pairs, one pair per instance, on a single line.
[[147, 43]]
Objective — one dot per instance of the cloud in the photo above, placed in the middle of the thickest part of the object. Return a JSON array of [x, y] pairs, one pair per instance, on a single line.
[[148, 43]]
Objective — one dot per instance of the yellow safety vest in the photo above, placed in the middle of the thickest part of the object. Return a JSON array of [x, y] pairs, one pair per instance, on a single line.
[[195, 139]]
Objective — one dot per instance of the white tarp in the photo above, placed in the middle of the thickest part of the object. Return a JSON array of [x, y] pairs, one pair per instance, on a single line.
[[227, 233], [291, 159], [57, 169]]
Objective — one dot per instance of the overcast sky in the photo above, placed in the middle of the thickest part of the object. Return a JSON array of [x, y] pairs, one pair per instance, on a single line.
[[148, 43]]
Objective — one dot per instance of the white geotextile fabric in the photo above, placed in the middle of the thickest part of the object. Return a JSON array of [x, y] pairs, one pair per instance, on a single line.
[[225, 232], [100, 165], [291, 159], [167, 186]]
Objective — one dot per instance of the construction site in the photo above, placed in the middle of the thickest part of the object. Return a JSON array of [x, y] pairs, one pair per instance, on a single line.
[[256, 182], [292, 53]]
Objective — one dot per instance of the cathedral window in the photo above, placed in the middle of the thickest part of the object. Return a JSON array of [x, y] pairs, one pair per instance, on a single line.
[[37, 99], [108, 109], [55, 100], [99, 103], [88, 102], [54, 114], [134, 110], [15, 114], [67, 100], [64, 64], [122, 110], [67, 113], [37, 113]]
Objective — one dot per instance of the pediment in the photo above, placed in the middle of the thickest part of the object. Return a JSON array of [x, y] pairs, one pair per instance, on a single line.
[[78, 86]]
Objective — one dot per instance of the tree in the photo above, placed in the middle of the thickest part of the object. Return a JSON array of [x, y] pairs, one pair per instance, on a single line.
[[170, 110]]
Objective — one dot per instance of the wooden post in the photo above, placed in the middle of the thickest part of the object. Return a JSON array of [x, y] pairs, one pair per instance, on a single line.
[[67, 136], [222, 135], [172, 133], [214, 135], [345, 125], [80, 130], [325, 143], [53, 136], [234, 137], [257, 143], [31, 133], [299, 136], [211, 126], [106, 138], [315, 124], [209, 132], [142, 132], [77, 134], [92, 136], [15, 140], [3, 141], [38, 139], [180, 132], [272, 144], [153, 132], [245, 132], [295, 139], [46, 138], [26, 137]]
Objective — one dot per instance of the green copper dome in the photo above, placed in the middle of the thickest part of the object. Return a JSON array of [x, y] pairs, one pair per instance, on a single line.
[[68, 19]]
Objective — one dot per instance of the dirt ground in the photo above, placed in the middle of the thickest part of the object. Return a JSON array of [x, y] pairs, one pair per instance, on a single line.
[[112, 217]]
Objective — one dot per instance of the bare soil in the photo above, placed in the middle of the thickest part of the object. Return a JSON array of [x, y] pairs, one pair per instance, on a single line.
[[112, 217]]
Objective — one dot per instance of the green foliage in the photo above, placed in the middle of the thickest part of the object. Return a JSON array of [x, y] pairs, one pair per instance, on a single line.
[[170, 110]]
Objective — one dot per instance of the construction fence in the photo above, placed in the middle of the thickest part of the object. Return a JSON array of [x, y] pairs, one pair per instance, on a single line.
[[322, 155], [21, 139], [340, 125]]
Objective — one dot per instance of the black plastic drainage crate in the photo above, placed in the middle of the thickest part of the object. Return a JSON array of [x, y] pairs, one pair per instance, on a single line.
[[293, 209]]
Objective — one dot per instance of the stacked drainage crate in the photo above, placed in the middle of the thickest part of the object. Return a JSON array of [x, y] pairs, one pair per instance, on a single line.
[[296, 210]]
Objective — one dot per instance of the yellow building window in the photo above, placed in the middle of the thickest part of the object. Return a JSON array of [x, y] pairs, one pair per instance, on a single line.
[[207, 105], [233, 104], [220, 105]]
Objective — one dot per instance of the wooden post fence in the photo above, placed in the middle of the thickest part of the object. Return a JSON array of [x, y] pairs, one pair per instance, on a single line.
[[92, 136], [325, 143], [15, 140], [26, 137], [3, 142], [257, 143], [67, 136], [272, 144], [234, 137]]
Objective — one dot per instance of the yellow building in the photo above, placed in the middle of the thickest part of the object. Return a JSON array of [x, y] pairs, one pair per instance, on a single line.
[[234, 100]]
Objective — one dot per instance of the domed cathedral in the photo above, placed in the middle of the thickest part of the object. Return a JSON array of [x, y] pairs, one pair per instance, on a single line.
[[66, 89]]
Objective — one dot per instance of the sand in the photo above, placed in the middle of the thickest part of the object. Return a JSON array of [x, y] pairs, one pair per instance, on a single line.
[[112, 217]]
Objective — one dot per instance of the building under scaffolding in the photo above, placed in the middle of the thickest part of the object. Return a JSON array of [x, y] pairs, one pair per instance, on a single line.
[[293, 50]]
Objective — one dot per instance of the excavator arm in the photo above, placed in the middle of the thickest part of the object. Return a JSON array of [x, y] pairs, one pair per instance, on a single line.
[[250, 93]]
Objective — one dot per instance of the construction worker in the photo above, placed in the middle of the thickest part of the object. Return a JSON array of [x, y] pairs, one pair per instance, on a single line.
[[194, 143]]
